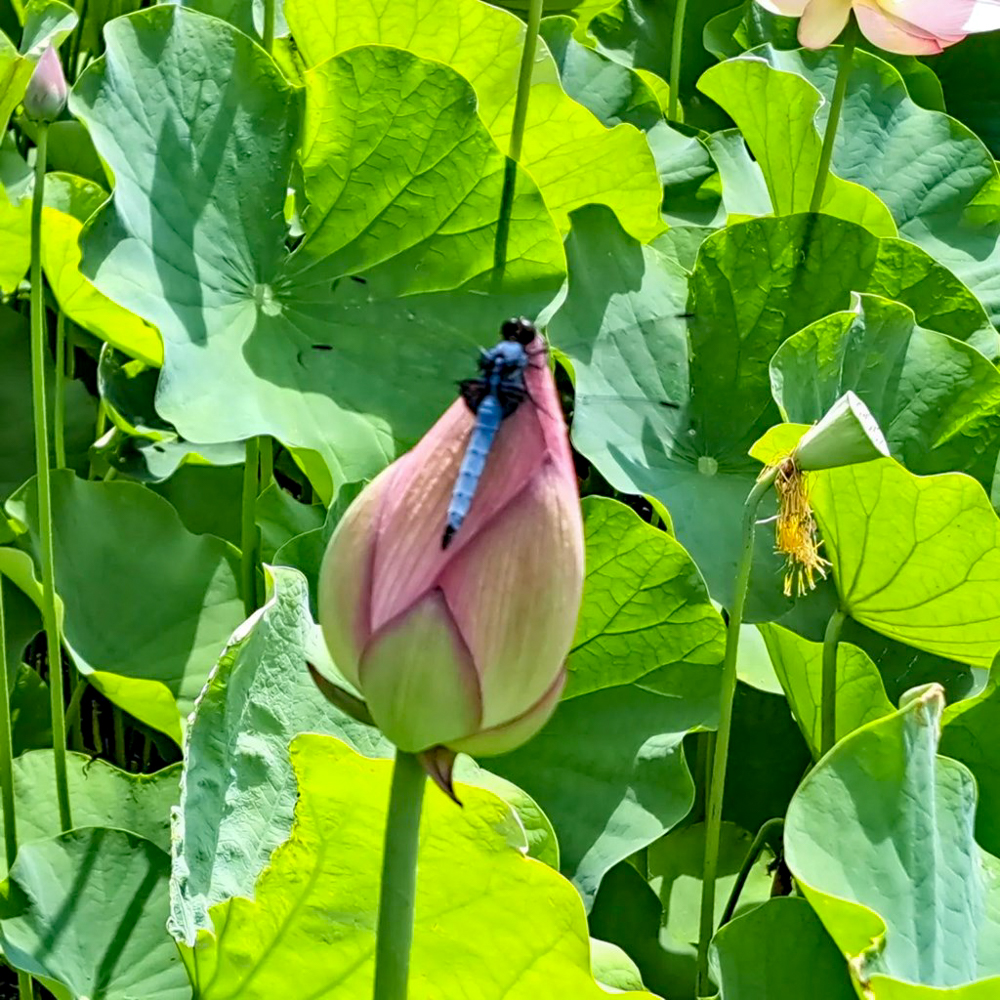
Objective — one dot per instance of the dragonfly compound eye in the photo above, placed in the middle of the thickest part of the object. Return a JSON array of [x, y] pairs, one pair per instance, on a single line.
[[519, 329]]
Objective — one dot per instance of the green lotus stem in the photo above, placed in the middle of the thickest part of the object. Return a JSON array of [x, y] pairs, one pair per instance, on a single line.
[[95, 727], [265, 447], [52, 637], [6, 751], [713, 818], [59, 405], [248, 533], [118, 720], [397, 895], [268, 25], [99, 428], [675, 60], [516, 138], [76, 42], [763, 837], [73, 721], [828, 705], [833, 120]]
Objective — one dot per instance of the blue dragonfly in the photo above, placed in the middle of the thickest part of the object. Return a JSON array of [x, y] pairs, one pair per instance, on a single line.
[[492, 397]]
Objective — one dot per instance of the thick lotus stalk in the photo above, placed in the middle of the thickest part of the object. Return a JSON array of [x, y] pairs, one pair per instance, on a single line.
[[47, 90], [907, 27], [463, 647]]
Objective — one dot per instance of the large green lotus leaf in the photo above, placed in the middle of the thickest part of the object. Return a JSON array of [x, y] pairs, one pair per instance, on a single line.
[[656, 922], [609, 768], [69, 202], [305, 552], [627, 912], [900, 666], [212, 274], [775, 949], [15, 231], [799, 665], [613, 92], [17, 443], [487, 918], [539, 834], [968, 76], [903, 667], [675, 866], [753, 662], [84, 913], [638, 337], [281, 518], [937, 178], [645, 606], [767, 758], [99, 794], [208, 498], [147, 605], [776, 113], [572, 158], [238, 791], [744, 190], [638, 33], [916, 558], [971, 734], [936, 399], [15, 72], [30, 711], [880, 839], [45, 22], [616, 93], [21, 623], [612, 967]]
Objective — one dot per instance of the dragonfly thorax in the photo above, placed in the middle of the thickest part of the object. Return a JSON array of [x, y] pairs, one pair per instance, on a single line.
[[508, 359]]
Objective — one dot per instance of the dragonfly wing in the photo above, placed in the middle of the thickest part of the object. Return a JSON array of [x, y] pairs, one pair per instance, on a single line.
[[473, 391]]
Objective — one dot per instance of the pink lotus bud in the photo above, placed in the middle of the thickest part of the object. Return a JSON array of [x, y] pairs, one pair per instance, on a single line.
[[907, 27], [462, 647], [47, 91]]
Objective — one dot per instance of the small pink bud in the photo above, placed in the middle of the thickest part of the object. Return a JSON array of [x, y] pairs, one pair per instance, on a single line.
[[47, 91], [462, 647]]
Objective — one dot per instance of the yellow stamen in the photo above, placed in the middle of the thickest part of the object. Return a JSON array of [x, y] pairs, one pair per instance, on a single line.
[[795, 531]]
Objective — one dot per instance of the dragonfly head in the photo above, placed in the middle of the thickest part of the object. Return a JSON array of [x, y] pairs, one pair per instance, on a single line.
[[520, 330]]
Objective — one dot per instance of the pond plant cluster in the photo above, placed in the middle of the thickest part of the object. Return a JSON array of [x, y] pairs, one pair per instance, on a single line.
[[697, 654]]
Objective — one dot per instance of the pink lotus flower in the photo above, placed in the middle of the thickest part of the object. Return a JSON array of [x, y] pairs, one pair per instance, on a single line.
[[462, 647], [47, 90], [908, 27]]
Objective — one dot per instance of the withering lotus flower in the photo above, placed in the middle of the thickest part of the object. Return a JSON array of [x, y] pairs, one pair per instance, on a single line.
[[46, 95], [908, 27], [464, 647]]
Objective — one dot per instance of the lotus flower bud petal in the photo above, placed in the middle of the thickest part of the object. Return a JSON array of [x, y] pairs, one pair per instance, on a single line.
[[464, 646], [787, 8], [47, 91], [541, 587], [510, 735], [907, 27], [822, 22], [344, 581], [848, 434], [419, 679]]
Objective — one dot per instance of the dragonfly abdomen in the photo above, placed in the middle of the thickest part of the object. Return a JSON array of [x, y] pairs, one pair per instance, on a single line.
[[488, 418]]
